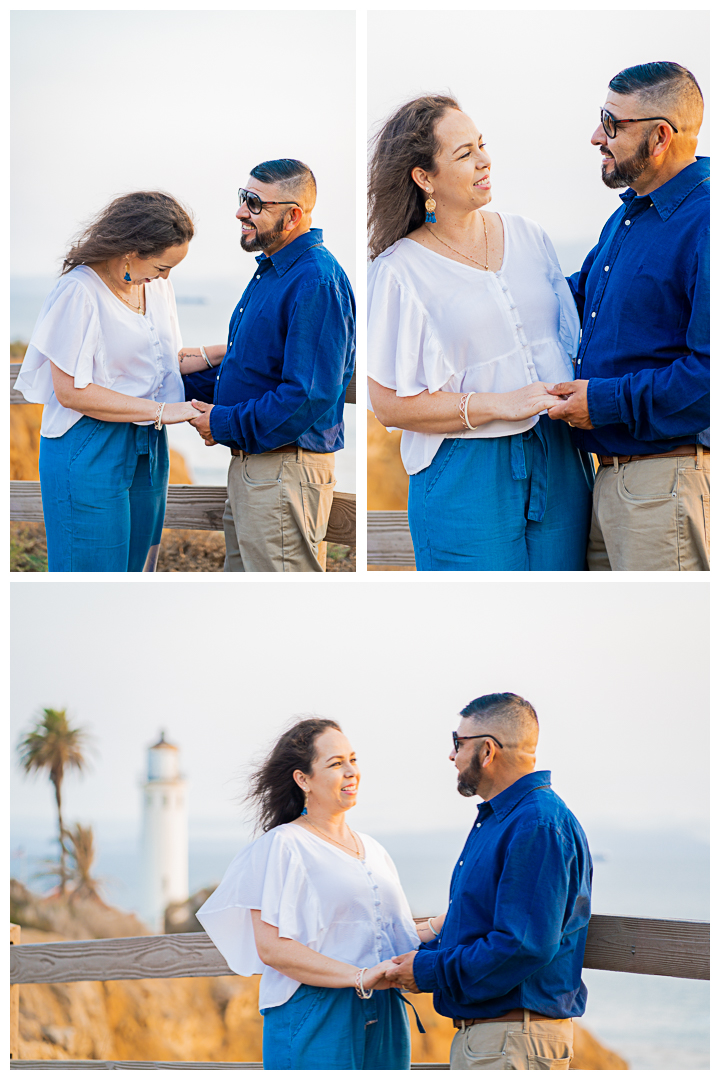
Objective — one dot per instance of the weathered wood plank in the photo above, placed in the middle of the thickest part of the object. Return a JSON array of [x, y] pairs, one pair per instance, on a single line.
[[669, 947], [15, 939], [70, 1064], [190, 506], [16, 397], [162, 956], [389, 542], [649, 946]]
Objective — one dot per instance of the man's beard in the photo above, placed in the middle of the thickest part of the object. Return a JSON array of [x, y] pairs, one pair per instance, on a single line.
[[263, 240], [625, 174], [469, 778]]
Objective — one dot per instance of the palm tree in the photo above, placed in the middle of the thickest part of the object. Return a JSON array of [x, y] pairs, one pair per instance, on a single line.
[[53, 745]]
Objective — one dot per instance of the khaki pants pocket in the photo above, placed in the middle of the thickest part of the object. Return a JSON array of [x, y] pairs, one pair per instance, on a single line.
[[317, 504], [535, 1061]]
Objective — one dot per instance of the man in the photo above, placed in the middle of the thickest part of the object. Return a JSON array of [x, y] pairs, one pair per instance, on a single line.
[[507, 963], [279, 394], [641, 399]]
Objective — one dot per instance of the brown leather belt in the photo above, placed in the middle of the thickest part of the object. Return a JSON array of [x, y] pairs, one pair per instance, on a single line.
[[275, 450], [679, 451], [514, 1014]]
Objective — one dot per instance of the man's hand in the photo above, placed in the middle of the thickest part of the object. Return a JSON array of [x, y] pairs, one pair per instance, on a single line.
[[202, 422], [573, 407], [402, 975]]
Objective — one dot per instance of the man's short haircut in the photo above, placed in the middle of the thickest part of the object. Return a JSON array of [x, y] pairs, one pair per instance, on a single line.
[[292, 175], [666, 84], [510, 711]]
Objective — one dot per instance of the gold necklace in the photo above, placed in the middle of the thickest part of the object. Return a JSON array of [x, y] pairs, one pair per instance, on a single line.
[[333, 841], [139, 309], [460, 253]]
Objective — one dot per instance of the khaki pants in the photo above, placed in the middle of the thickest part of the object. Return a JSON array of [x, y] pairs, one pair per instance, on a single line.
[[514, 1044], [652, 515], [277, 511]]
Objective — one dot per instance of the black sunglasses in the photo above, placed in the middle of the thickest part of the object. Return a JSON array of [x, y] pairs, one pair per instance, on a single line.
[[457, 739], [610, 124], [255, 204]]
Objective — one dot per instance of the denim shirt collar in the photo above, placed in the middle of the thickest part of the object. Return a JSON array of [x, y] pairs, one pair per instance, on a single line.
[[283, 259], [506, 801], [670, 195]]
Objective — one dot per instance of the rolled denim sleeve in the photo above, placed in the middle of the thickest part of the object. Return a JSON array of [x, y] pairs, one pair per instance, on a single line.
[[537, 887], [320, 334]]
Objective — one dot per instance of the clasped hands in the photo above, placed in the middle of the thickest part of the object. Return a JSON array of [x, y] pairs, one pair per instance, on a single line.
[[572, 405], [397, 972]]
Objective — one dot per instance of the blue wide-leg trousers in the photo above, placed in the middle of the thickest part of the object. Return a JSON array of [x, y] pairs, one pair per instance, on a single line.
[[323, 1028], [517, 502], [104, 489]]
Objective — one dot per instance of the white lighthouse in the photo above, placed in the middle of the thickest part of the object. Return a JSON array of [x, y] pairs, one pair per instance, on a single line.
[[165, 833]]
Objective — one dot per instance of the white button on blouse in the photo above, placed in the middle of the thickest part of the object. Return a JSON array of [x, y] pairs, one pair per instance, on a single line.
[[315, 894], [435, 324], [90, 334]]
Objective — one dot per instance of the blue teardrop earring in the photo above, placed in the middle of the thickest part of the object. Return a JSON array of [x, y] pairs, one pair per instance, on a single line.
[[127, 272], [430, 205]]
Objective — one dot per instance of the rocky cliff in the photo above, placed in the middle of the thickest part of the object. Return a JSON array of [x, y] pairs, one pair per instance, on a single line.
[[203, 1019]]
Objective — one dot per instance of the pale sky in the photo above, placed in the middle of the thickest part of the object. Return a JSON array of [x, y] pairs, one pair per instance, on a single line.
[[105, 102], [618, 675], [533, 82]]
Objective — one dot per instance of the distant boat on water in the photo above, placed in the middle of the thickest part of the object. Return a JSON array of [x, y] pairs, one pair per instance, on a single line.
[[190, 300]]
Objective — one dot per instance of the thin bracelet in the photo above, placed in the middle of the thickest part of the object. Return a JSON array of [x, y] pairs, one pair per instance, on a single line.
[[158, 417], [205, 356], [359, 988], [464, 412], [432, 928]]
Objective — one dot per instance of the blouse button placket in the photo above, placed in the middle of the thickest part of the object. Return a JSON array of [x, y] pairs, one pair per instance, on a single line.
[[519, 329], [378, 917]]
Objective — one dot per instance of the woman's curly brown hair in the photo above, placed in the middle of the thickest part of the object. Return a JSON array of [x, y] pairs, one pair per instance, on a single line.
[[273, 791], [407, 140], [146, 222]]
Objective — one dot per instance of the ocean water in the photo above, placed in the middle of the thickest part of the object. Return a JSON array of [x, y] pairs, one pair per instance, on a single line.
[[654, 1022], [204, 310]]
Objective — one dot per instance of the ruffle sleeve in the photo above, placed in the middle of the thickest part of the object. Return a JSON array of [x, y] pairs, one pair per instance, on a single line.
[[268, 876], [569, 328], [68, 333], [403, 351]]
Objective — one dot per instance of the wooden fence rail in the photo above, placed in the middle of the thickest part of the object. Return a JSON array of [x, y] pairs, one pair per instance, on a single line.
[[388, 539], [189, 506], [669, 947]]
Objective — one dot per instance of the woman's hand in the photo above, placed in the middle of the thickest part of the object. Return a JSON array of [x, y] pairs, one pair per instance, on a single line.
[[374, 977], [175, 412], [523, 403]]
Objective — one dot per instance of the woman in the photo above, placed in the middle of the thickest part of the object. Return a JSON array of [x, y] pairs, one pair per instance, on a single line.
[[470, 323], [103, 361], [319, 911]]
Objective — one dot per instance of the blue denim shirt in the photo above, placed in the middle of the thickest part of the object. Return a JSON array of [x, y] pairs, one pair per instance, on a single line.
[[290, 354], [514, 935], [644, 303]]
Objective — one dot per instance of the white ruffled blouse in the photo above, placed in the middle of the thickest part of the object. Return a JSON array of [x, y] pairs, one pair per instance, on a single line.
[[435, 324], [90, 334], [350, 909]]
